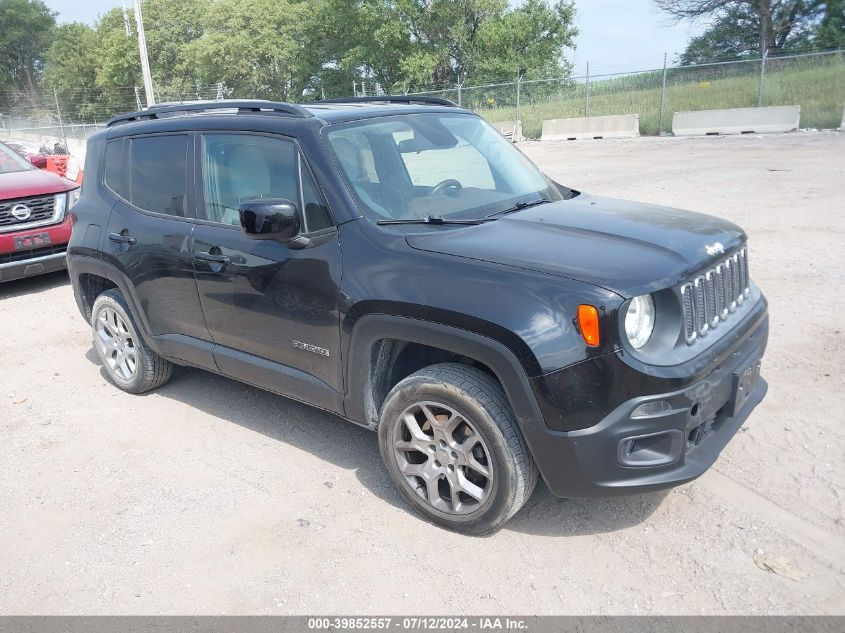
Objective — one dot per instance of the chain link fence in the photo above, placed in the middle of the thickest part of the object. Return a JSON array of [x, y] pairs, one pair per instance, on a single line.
[[815, 81]]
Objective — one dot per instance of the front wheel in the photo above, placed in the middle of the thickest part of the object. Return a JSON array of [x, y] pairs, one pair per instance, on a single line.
[[451, 445]]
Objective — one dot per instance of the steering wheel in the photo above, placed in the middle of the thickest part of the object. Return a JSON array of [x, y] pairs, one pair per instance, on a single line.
[[443, 185]]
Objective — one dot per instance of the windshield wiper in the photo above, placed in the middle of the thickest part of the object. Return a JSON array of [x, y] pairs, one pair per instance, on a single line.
[[519, 206], [432, 219]]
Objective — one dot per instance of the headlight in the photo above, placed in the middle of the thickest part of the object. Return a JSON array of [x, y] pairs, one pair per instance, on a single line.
[[59, 206], [639, 320], [72, 170], [73, 197]]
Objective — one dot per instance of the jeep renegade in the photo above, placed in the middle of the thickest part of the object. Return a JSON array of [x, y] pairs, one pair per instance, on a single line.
[[398, 262]]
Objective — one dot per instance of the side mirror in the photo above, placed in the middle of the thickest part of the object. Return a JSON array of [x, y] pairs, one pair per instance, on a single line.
[[269, 219]]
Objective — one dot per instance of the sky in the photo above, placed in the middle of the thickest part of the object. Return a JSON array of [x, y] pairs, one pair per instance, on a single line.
[[615, 35]]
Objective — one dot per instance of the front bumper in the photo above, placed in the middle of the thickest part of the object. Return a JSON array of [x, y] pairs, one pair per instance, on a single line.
[[673, 439], [11, 271], [20, 264]]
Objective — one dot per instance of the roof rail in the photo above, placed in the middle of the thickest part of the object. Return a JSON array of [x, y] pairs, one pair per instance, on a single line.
[[244, 105], [409, 99]]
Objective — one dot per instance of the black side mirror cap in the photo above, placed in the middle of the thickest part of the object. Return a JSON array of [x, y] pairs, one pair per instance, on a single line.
[[269, 219]]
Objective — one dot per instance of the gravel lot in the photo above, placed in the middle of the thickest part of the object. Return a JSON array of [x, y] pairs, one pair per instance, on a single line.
[[212, 497]]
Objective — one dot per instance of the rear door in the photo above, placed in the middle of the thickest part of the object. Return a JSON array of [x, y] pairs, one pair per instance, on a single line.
[[271, 308], [148, 237]]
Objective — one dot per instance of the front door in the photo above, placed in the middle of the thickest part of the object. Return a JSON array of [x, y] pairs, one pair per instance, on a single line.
[[271, 308]]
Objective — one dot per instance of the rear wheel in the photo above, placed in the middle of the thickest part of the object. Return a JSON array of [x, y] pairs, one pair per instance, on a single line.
[[129, 363], [451, 445]]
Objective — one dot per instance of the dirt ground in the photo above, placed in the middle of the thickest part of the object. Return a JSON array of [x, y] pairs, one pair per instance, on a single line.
[[208, 496]]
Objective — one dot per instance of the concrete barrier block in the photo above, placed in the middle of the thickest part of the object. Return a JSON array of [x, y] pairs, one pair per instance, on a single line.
[[771, 119], [512, 130], [589, 127]]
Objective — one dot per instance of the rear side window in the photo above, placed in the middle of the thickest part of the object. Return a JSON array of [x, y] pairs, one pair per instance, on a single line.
[[158, 174], [150, 172]]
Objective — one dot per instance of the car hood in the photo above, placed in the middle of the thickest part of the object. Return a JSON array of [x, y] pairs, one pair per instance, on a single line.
[[32, 182], [626, 247]]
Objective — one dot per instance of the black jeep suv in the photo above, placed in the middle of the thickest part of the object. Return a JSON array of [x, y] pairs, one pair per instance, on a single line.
[[399, 263]]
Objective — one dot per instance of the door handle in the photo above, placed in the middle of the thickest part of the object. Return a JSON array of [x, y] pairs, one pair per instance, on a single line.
[[204, 256], [120, 238]]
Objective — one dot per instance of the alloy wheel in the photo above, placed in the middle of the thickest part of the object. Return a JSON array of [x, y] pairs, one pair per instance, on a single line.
[[443, 458], [116, 344]]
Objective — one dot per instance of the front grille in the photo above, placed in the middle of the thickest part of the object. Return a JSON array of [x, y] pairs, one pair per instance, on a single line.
[[20, 256], [710, 298], [41, 209]]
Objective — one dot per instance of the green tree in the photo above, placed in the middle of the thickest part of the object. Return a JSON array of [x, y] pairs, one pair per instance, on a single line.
[[170, 26], [528, 40], [741, 27], [831, 30], [413, 44], [71, 70], [25, 30], [118, 68], [255, 47]]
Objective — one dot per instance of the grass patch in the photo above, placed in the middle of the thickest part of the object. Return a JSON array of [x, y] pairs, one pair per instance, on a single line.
[[817, 84]]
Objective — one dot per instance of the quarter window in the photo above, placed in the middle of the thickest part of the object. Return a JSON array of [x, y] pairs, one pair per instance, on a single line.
[[117, 167]]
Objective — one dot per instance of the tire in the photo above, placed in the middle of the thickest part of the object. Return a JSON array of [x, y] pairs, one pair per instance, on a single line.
[[449, 412], [116, 339]]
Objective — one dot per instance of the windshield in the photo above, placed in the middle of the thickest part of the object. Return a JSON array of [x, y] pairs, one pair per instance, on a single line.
[[453, 166], [11, 161]]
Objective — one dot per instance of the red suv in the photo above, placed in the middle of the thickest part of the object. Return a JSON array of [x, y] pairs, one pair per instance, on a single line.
[[35, 224]]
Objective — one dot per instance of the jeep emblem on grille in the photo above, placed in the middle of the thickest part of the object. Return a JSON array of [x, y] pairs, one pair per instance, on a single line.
[[715, 249], [21, 212]]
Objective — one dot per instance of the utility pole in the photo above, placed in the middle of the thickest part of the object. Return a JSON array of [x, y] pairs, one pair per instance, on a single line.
[[145, 61], [59, 113]]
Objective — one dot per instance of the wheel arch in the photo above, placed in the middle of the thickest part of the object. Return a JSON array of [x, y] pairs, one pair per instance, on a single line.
[[374, 362], [90, 277]]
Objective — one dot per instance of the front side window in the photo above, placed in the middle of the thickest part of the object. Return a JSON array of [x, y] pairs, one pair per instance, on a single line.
[[413, 166], [158, 174], [240, 167]]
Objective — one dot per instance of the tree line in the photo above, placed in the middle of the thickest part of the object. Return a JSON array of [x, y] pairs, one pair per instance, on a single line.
[[300, 49], [743, 28], [275, 49]]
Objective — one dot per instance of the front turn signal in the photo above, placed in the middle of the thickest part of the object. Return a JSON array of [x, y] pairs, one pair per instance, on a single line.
[[588, 321]]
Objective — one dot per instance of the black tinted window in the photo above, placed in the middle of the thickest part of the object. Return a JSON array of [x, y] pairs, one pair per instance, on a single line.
[[117, 167], [159, 174]]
